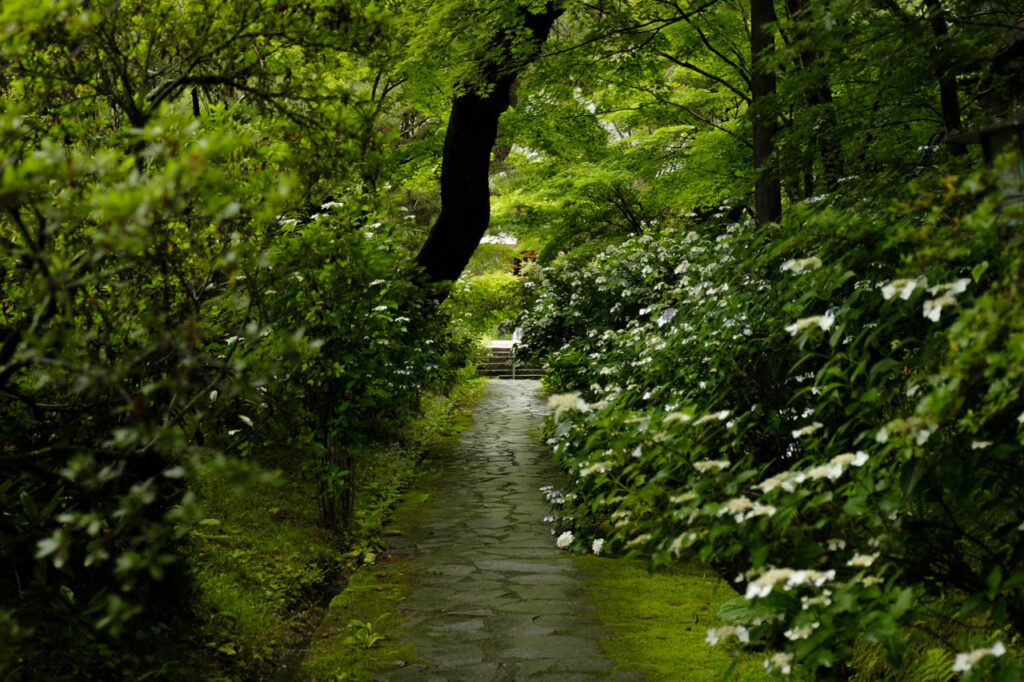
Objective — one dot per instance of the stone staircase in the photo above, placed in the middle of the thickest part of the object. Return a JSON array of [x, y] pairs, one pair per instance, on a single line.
[[501, 364]]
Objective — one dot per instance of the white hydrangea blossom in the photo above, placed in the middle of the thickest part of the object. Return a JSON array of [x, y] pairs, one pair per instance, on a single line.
[[967, 660], [564, 540], [596, 468], [799, 266], [564, 402], [597, 546], [824, 600], [802, 632], [862, 560], [807, 430], [721, 415], [825, 322], [945, 296], [903, 287], [762, 585], [781, 662], [726, 632], [787, 480], [707, 465]]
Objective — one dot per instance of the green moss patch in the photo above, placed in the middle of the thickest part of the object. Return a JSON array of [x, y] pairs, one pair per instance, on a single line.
[[657, 621], [359, 632]]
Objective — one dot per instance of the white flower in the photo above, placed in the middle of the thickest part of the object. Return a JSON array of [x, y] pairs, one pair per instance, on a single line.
[[965, 661], [952, 288], [836, 544], [331, 204], [760, 510], [809, 576], [564, 540], [933, 307], [597, 546], [245, 420], [563, 402], [801, 632], [691, 496], [924, 433], [232, 432], [380, 308], [847, 459], [823, 600], [637, 453], [737, 506], [781, 661], [821, 471], [763, 585], [902, 287], [862, 560], [213, 395], [707, 465], [596, 468], [882, 436], [800, 265], [980, 444], [720, 416], [666, 317], [786, 480], [677, 417], [807, 430], [825, 322], [716, 635]]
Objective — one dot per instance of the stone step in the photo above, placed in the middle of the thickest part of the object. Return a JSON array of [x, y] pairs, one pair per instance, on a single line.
[[501, 364]]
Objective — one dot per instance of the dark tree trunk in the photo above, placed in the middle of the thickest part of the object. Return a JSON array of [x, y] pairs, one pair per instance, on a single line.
[[949, 97], [819, 97], [767, 188], [472, 130]]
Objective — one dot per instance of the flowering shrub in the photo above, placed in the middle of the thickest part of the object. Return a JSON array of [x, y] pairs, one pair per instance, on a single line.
[[828, 411]]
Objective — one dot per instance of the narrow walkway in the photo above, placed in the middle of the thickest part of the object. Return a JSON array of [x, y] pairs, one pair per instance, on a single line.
[[495, 599]]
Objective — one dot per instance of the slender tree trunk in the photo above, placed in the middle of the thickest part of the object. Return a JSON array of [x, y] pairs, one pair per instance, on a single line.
[[819, 97], [949, 96], [472, 130], [767, 188]]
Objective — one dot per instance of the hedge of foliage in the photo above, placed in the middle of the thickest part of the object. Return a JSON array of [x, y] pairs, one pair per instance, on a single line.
[[829, 411], [170, 304]]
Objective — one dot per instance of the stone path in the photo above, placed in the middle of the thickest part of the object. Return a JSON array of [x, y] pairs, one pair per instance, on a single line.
[[494, 598]]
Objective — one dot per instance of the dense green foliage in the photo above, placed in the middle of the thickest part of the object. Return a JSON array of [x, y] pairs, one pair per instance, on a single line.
[[829, 408], [825, 408], [208, 219], [178, 305]]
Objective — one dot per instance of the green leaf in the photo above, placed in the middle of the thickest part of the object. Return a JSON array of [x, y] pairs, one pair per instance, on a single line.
[[994, 580]]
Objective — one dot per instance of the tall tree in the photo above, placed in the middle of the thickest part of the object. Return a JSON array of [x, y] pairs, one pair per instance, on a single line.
[[472, 130], [767, 188]]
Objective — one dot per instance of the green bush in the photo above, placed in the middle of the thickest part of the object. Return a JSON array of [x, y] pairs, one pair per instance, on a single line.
[[489, 304], [828, 410], [176, 303]]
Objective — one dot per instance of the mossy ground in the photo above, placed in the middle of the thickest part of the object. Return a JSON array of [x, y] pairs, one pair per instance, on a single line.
[[343, 648], [657, 621], [263, 567]]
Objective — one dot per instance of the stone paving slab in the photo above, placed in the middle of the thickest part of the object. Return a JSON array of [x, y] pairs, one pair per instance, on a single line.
[[494, 598]]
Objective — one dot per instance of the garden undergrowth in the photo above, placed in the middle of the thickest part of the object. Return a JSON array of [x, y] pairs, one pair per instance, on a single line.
[[264, 568]]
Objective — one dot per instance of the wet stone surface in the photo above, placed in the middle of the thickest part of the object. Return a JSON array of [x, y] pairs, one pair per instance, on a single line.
[[494, 599]]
